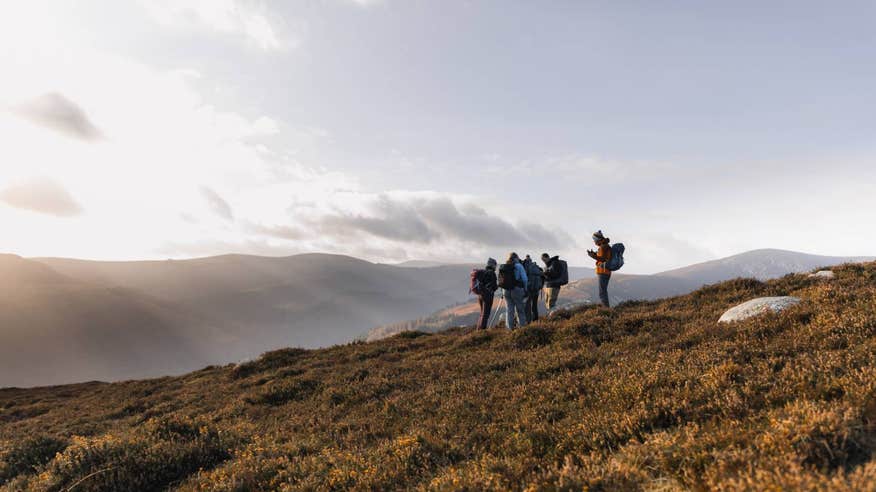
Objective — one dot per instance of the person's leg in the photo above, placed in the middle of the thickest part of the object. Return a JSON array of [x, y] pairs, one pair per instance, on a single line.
[[603, 290], [522, 315], [553, 295], [509, 309], [532, 306], [486, 304]]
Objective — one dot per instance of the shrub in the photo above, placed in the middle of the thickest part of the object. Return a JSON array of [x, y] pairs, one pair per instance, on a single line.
[[28, 455], [284, 391], [530, 337]]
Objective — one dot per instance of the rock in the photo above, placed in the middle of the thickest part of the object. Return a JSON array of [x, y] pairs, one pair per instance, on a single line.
[[823, 275], [756, 307], [566, 308]]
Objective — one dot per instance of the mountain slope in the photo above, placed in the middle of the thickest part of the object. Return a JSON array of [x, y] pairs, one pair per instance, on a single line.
[[117, 320], [760, 264], [648, 395], [308, 300], [57, 329]]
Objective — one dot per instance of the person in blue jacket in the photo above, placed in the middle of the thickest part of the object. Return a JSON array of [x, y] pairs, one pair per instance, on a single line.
[[513, 280]]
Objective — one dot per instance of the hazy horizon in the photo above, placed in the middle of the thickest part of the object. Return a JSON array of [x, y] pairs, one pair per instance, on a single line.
[[439, 131]]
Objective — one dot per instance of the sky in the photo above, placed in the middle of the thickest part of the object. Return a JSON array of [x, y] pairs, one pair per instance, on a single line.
[[445, 130]]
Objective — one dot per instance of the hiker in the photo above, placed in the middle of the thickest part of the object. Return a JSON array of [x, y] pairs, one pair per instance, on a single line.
[[512, 278], [602, 256], [484, 285], [556, 275], [535, 275]]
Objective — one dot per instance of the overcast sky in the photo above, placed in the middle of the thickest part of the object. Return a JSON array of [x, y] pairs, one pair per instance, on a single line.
[[439, 130]]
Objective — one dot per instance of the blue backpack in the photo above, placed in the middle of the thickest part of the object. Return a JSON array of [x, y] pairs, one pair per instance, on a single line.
[[617, 257]]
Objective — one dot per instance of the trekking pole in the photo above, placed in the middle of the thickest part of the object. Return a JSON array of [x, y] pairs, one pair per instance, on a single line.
[[495, 315]]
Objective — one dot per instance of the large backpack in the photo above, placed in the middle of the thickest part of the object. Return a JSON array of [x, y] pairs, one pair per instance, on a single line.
[[476, 285], [563, 278], [617, 257], [534, 275], [507, 279]]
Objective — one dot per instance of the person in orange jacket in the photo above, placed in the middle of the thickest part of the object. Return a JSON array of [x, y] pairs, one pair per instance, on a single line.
[[602, 255]]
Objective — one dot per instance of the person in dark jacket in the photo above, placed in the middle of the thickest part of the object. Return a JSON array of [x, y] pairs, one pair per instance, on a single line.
[[602, 255], [535, 277], [489, 286], [552, 280]]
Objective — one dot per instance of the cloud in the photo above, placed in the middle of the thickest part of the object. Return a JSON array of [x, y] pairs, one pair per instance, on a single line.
[[56, 112], [217, 204], [41, 195], [588, 168], [429, 220], [225, 16], [276, 231]]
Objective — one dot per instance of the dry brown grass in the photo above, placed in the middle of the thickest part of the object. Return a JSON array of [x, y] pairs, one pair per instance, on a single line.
[[649, 396]]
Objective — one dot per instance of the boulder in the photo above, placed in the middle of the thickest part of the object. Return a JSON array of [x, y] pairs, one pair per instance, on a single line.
[[758, 306], [823, 275], [566, 308]]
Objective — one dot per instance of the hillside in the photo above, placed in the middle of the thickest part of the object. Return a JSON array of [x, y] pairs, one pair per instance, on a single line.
[[105, 320], [312, 300], [763, 264], [650, 395], [90, 320], [54, 328]]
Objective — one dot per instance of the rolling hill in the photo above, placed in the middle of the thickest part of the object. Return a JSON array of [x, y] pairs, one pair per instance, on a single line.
[[85, 320], [650, 395], [763, 264]]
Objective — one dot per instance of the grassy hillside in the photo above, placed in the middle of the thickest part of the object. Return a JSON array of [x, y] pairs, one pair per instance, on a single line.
[[651, 395]]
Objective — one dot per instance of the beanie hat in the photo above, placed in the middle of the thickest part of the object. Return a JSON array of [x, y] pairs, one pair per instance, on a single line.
[[597, 236], [491, 263]]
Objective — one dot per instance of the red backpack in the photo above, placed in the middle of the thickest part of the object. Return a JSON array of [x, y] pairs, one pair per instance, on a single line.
[[476, 284]]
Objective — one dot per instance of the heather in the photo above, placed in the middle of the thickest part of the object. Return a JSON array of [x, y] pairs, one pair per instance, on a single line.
[[651, 395]]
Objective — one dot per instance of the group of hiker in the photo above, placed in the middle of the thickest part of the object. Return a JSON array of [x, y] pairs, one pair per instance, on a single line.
[[523, 281]]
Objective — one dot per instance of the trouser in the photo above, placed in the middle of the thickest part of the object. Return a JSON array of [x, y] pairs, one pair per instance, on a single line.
[[531, 305], [486, 304], [603, 289], [551, 294], [514, 306]]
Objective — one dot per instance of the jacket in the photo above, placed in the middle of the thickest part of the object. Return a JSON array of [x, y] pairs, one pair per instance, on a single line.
[[491, 285], [520, 273], [603, 254], [552, 272]]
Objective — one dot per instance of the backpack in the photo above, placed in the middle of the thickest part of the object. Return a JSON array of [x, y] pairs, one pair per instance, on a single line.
[[476, 285], [534, 274], [507, 279], [617, 257], [563, 278]]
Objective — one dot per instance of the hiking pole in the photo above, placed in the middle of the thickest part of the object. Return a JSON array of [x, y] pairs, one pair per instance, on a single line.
[[495, 315]]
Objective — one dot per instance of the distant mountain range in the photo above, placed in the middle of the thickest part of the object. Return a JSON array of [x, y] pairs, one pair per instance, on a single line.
[[64, 320], [762, 264]]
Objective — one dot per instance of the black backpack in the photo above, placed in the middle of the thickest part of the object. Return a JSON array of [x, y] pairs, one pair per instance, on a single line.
[[563, 278], [507, 279]]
